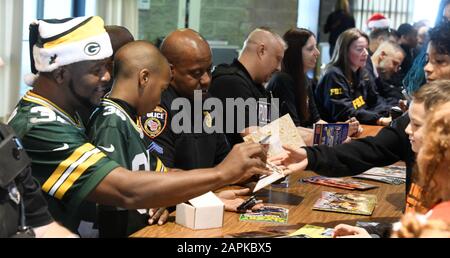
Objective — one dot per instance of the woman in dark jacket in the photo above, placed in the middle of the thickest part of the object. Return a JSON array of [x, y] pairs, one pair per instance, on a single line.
[[346, 90], [291, 85]]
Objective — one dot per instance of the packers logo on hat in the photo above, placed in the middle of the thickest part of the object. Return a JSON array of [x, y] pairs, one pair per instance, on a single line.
[[56, 43], [92, 49], [155, 122]]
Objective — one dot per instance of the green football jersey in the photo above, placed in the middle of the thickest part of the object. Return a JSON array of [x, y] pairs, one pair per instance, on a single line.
[[114, 130], [66, 164]]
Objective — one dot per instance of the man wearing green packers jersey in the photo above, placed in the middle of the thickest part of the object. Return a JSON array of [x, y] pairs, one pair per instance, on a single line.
[[141, 74], [71, 56]]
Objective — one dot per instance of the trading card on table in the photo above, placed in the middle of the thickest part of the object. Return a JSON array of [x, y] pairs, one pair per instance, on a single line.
[[270, 214], [362, 204], [310, 231], [330, 134], [344, 183], [391, 171], [383, 179]]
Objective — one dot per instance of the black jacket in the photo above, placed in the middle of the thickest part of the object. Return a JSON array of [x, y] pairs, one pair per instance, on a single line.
[[387, 89], [392, 94], [234, 82], [36, 209], [183, 150], [18, 189], [338, 101], [283, 87]]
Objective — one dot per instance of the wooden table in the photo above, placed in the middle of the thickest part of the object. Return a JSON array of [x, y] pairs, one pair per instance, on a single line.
[[299, 198], [370, 130]]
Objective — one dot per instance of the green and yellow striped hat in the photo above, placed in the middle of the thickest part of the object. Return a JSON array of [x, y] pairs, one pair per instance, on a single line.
[[55, 43]]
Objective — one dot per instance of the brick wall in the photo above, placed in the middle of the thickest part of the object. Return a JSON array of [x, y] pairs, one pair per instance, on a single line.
[[228, 20], [161, 19], [232, 20]]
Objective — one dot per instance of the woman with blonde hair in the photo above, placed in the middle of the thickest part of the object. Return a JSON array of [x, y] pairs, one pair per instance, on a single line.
[[434, 158], [434, 177]]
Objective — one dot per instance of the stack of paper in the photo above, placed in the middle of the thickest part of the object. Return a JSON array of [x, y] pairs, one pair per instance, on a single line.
[[276, 134]]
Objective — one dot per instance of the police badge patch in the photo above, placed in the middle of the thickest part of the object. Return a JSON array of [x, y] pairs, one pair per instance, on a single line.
[[155, 122]]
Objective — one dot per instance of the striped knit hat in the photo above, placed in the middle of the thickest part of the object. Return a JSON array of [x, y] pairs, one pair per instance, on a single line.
[[55, 43]]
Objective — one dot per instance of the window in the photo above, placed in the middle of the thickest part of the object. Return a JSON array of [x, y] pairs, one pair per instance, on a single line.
[[308, 15], [29, 14], [426, 10], [57, 9], [398, 11], [90, 7]]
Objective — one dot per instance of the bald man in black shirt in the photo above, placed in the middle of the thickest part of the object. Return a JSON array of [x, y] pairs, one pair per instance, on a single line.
[[245, 78]]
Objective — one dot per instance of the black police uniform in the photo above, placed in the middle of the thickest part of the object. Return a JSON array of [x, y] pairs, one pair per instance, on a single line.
[[283, 87], [22, 205], [182, 150], [338, 101], [233, 82]]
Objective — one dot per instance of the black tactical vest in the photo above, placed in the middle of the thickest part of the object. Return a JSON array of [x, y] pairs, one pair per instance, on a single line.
[[13, 162]]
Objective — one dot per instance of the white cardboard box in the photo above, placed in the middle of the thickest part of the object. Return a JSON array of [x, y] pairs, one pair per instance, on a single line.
[[202, 212]]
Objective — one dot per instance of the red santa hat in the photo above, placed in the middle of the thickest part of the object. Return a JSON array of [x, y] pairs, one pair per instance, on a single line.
[[378, 21]]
